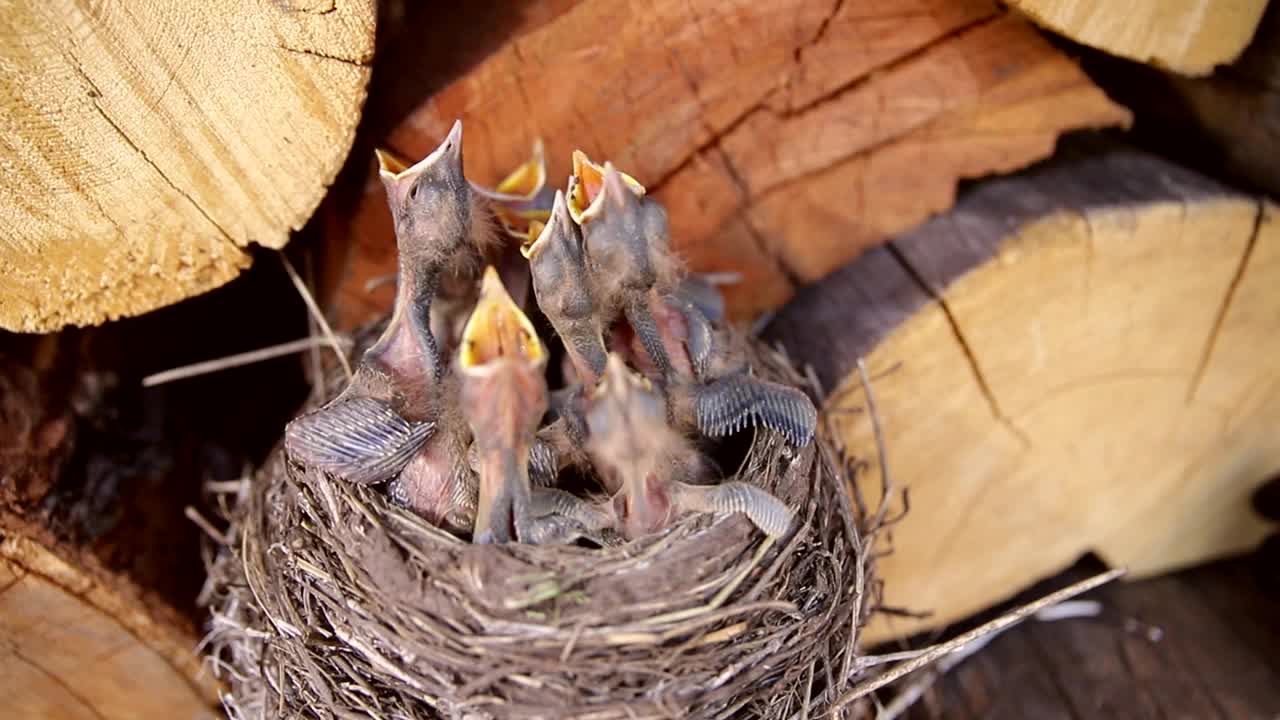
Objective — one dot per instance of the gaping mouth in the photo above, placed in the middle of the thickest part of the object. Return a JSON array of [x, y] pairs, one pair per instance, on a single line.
[[498, 329], [391, 167], [521, 198], [389, 164], [526, 180], [531, 238], [586, 186]]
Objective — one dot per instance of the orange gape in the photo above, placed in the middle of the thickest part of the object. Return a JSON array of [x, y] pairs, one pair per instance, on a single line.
[[591, 181], [587, 184]]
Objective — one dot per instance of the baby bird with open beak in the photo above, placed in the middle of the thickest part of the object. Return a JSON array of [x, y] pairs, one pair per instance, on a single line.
[[503, 396], [387, 411], [644, 460], [625, 236], [445, 228], [632, 268], [559, 272]]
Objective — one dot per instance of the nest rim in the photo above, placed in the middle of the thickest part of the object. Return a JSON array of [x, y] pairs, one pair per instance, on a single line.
[[306, 623]]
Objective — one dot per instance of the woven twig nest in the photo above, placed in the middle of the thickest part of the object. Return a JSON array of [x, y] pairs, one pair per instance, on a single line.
[[333, 603]]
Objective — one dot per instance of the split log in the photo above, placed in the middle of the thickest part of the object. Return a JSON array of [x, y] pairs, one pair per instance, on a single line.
[[784, 138], [1190, 37], [94, 562], [1227, 123], [1077, 358], [148, 142]]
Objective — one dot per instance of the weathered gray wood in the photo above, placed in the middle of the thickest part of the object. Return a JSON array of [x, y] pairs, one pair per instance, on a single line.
[[1158, 650]]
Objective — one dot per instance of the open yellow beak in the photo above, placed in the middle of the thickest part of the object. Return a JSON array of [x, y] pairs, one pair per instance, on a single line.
[[520, 198], [392, 169], [526, 180], [586, 185], [498, 329]]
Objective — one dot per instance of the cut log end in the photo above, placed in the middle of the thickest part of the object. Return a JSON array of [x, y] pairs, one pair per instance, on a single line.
[[1075, 359], [75, 649], [1189, 37], [144, 156], [95, 566]]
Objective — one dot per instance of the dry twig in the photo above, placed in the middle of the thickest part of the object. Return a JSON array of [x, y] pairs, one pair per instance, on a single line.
[[979, 634], [316, 314]]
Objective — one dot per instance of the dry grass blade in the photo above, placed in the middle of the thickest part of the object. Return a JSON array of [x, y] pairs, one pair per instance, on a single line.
[[314, 309], [239, 359], [1001, 623], [920, 684]]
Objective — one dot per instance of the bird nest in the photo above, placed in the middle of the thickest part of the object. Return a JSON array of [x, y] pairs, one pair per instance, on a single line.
[[331, 602]]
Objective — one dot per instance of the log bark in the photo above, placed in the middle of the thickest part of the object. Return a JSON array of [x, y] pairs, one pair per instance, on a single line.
[[1189, 37], [95, 559], [1076, 358], [784, 138], [149, 142]]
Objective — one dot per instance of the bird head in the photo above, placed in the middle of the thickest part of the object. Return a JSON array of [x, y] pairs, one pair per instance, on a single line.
[[503, 396], [586, 184], [629, 436], [430, 201]]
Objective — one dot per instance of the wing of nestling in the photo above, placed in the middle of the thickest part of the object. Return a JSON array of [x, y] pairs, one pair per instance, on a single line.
[[359, 439]]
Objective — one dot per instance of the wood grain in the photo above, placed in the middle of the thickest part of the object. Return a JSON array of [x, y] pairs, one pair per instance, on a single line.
[[148, 142], [1190, 37], [96, 558], [73, 649], [784, 138], [1075, 358]]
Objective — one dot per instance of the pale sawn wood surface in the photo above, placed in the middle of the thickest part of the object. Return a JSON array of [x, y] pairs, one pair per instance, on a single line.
[[72, 649], [1190, 37], [1077, 358], [146, 143]]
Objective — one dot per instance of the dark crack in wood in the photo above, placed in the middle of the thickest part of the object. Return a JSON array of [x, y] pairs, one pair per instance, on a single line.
[[1211, 343], [970, 357], [355, 62], [853, 84], [53, 677]]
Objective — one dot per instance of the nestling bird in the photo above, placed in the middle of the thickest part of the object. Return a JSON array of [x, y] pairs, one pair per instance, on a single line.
[[559, 272], [503, 396], [443, 226], [396, 421], [630, 261], [387, 411], [383, 417], [518, 202], [625, 239], [646, 461]]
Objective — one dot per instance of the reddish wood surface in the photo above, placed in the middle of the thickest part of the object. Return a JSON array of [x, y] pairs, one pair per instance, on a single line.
[[784, 138]]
